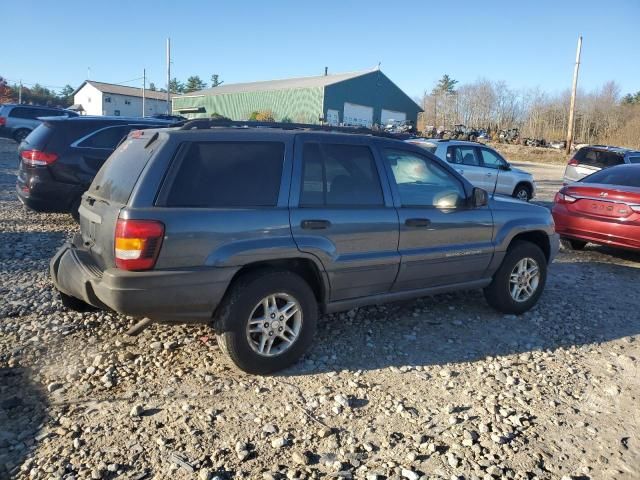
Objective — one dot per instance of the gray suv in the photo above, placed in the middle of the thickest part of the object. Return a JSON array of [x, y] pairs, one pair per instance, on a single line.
[[256, 231], [18, 121]]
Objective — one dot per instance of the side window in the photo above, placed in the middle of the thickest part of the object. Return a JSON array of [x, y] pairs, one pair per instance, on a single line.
[[23, 112], [491, 159], [339, 174], [463, 156], [227, 174], [422, 182], [107, 138], [634, 159]]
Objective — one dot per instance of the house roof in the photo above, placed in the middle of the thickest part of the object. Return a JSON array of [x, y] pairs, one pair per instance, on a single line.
[[286, 83], [122, 90]]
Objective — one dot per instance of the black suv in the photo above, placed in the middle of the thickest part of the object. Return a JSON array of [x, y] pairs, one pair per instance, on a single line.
[[256, 230], [18, 121], [60, 158]]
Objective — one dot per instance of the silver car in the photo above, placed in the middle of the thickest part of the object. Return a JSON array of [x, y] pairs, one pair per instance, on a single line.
[[482, 166], [18, 121], [592, 158]]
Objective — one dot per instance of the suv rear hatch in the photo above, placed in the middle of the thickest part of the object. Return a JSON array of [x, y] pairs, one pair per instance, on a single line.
[[109, 193]]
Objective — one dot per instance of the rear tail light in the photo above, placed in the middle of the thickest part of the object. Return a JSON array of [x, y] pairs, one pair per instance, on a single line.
[[38, 157], [574, 162], [635, 208], [137, 243], [3, 121], [564, 198]]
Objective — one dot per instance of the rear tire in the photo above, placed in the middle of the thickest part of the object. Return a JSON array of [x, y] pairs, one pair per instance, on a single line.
[[573, 244], [500, 292], [20, 134], [243, 321]]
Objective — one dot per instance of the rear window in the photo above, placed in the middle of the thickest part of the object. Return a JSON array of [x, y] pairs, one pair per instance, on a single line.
[[117, 177], [40, 135], [626, 177], [227, 174], [598, 158]]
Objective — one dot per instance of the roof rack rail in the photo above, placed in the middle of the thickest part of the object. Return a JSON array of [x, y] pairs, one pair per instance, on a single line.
[[204, 123]]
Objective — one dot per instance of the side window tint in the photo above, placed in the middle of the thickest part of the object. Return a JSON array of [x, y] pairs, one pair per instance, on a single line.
[[23, 112], [634, 159], [228, 174], [491, 159], [422, 182], [463, 156], [107, 138], [339, 174]]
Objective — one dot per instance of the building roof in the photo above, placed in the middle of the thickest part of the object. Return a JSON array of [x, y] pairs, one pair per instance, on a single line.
[[123, 90], [287, 83]]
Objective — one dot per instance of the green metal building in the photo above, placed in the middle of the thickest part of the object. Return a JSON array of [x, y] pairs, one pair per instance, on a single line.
[[359, 98]]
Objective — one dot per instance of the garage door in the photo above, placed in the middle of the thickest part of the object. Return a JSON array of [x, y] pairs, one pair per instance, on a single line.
[[359, 115], [390, 116]]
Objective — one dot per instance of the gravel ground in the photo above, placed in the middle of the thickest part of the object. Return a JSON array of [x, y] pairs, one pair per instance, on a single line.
[[439, 387]]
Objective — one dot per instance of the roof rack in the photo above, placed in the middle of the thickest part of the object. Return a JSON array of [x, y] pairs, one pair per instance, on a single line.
[[204, 123]]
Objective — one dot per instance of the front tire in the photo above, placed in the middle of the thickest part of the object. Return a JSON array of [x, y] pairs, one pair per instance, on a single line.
[[267, 321], [520, 280], [522, 192]]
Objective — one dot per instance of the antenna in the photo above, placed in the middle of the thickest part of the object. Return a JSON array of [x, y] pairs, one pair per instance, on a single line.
[[168, 76]]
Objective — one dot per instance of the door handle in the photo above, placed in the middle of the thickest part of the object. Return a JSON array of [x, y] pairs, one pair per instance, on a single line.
[[315, 224], [417, 222], [489, 174]]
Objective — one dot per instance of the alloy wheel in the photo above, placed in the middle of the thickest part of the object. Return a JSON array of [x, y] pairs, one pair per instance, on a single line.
[[524, 279], [274, 325]]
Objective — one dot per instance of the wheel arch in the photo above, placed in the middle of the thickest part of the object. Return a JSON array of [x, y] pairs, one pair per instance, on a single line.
[[525, 183], [537, 237]]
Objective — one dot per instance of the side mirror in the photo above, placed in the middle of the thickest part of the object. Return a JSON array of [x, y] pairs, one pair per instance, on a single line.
[[479, 197], [506, 166]]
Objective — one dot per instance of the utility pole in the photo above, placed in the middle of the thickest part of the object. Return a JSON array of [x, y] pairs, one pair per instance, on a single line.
[[573, 98], [20, 94], [144, 86], [168, 76]]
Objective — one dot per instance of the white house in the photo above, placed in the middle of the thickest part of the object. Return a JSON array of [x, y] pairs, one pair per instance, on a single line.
[[99, 98]]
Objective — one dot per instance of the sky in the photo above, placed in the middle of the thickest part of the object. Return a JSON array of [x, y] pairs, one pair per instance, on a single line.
[[528, 44]]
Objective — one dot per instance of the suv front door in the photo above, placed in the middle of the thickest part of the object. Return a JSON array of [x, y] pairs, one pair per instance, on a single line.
[[443, 240], [343, 214]]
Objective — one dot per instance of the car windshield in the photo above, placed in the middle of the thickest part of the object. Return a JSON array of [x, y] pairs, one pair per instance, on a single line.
[[626, 177], [428, 146]]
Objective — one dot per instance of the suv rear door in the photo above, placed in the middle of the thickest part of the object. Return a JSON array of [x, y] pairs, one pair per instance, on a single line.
[[342, 212], [467, 161], [443, 240]]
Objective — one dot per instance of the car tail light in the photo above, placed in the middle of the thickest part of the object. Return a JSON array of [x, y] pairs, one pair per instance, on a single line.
[[137, 243], [635, 208], [564, 198], [574, 162], [38, 157], [3, 121]]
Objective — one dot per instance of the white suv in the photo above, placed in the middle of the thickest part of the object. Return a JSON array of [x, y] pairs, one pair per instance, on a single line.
[[482, 166]]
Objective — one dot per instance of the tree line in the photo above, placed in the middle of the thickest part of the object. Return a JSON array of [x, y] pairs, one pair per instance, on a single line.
[[36, 94], [603, 115]]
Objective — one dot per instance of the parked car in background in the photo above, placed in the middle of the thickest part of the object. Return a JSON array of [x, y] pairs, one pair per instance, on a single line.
[[257, 230], [592, 158], [18, 121], [483, 166], [59, 159], [603, 208]]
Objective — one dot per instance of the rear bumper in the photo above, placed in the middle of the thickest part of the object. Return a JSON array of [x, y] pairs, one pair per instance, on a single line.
[[43, 194], [603, 232], [175, 296]]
